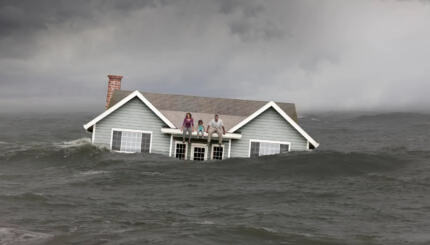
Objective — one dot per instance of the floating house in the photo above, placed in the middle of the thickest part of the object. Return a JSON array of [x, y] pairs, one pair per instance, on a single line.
[[136, 121]]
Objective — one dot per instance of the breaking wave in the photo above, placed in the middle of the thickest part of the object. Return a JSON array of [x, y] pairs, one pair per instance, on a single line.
[[81, 153], [12, 236], [74, 143]]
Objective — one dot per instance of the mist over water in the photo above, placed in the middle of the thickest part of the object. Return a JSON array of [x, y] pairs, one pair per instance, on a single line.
[[368, 183]]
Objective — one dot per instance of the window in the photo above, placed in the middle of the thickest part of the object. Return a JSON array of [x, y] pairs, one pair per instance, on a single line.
[[146, 142], [131, 141], [255, 149], [284, 148], [217, 152], [261, 148], [116, 140], [180, 150], [199, 152]]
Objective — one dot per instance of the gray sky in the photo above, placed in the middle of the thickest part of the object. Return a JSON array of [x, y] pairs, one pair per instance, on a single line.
[[337, 55]]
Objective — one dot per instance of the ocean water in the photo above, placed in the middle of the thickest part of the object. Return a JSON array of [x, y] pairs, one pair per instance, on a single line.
[[368, 183]]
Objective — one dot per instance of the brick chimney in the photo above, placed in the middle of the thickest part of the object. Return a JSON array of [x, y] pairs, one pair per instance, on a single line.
[[113, 84]]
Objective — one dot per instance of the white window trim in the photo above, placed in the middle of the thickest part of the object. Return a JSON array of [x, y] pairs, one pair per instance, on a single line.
[[212, 151], [134, 131], [201, 146], [268, 141], [229, 148], [186, 149], [93, 136], [171, 146]]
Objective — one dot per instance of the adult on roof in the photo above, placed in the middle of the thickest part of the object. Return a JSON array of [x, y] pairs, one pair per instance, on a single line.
[[215, 126], [187, 126]]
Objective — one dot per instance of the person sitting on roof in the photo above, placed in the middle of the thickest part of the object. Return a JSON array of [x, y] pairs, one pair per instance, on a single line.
[[200, 129], [187, 126], [215, 126]]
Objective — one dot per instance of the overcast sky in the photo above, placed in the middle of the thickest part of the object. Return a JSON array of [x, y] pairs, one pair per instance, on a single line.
[[321, 55]]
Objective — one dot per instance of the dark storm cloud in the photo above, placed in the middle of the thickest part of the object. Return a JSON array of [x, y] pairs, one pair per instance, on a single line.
[[251, 24], [20, 20], [319, 54], [27, 14], [248, 8]]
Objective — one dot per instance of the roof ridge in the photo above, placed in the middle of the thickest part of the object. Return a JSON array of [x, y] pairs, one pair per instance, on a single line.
[[204, 97]]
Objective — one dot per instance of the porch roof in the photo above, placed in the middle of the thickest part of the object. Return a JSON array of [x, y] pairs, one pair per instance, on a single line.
[[178, 132]]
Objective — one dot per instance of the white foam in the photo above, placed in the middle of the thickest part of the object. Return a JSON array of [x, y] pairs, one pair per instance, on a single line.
[[9, 236], [207, 222], [269, 229], [74, 143], [93, 172]]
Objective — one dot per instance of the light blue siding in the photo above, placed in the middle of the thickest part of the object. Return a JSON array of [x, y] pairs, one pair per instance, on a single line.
[[267, 126], [134, 115]]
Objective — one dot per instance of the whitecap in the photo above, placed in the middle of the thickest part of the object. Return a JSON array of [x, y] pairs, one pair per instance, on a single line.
[[74, 143], [93, 172], [269, 229], [207, 222]]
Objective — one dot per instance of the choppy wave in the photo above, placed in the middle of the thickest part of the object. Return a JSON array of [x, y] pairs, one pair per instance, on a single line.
[[74, 143], [81, 152], [12, 236], [44, 151], [303, 198], [367, 184], [93, 172]]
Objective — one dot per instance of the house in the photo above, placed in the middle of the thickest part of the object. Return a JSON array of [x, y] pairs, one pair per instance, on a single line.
[[137, 121]]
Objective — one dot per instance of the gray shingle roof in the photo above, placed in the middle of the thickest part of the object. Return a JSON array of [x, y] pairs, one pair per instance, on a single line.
[[231, 111]]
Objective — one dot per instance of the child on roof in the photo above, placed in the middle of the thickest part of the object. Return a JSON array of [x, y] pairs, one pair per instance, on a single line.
[[200, 129]]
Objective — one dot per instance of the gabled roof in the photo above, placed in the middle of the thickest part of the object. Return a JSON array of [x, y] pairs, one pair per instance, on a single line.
[[126, 99], [273, 105], [210, 105], [171, 108]]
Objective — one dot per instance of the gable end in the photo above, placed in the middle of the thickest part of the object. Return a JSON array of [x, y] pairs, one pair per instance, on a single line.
[[122, 102]]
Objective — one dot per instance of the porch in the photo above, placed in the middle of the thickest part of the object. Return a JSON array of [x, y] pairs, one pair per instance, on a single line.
[[198, 149]]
